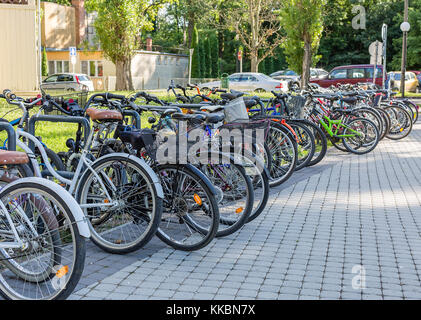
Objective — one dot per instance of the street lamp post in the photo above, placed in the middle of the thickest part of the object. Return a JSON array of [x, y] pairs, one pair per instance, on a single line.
[[405, 26]]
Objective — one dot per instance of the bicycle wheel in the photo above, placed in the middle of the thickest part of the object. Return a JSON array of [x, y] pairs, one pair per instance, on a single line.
[[54, 159], [131, 222], [386, 120], [50, 262], [283, 151], [373, 116], [190, 218], [320, 141], [235, 195], [414, 107], [364, 136], [306, 143], [401, 123]]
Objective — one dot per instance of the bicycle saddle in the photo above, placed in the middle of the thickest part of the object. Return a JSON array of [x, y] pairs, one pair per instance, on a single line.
[[349, 100], [250, 102], [232, 95], [212, 117], [192, 118], [104, 115], [213, 108], [13, 157]]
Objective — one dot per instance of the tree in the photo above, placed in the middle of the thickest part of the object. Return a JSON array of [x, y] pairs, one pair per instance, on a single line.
[[302, 21], [44, 67], [118, 26], [195, 65], [257, 26], [203, 59]]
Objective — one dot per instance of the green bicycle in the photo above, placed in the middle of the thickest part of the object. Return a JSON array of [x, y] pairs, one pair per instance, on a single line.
[[358, 135]]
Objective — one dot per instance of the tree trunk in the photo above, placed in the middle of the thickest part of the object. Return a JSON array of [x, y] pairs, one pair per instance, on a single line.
[[124, 75], [221, 49], [254, 14], [190, 29], [254, 61], [306, 64]]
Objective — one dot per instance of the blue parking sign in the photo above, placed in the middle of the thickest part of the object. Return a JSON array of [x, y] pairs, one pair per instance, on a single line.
[[72, 51]]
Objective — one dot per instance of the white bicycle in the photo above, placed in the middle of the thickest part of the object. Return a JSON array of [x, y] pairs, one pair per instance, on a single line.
[[42, 235], [120, 195]]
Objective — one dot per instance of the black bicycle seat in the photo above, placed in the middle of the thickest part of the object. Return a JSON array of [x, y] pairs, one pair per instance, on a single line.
[[232, 95], [349, 100]]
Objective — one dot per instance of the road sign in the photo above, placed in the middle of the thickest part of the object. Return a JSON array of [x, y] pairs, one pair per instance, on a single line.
[[72, 51], [376, 47], [240, 55]]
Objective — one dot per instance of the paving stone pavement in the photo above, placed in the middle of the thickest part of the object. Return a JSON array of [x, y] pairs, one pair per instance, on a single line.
[[348, 228]]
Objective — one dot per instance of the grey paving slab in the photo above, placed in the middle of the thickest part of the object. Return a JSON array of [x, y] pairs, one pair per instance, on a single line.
[[347, 228]]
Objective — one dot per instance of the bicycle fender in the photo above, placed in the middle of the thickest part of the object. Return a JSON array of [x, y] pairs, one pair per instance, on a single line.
[[77, 212]]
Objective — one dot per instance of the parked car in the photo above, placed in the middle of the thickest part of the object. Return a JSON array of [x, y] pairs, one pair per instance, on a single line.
[[418, 74], [294, 78], [67, 82], [411, 81], [249, 81], [351, 74], [318, 73]]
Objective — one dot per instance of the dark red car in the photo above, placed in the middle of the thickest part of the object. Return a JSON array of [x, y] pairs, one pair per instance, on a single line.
[[351, 74]]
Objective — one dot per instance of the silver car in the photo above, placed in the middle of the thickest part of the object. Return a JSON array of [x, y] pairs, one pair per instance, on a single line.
[[67, 82], [249, 81]]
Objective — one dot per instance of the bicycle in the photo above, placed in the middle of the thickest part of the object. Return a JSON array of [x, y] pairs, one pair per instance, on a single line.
[[120, 195]]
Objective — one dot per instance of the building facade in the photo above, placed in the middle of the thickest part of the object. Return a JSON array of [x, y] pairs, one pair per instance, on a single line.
[[70, 26], [19, 65]]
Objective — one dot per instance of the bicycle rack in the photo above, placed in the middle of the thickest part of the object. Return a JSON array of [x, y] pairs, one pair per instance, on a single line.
[[135, 115], [11, 135], [52, 118]]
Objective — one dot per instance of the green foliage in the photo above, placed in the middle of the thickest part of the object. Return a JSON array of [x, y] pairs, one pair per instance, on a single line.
[[214, 66], [302, 21], [44, 67], [341, 44], [208, 57], [195, 68], [118, 24], [202, 58], [414, 38]]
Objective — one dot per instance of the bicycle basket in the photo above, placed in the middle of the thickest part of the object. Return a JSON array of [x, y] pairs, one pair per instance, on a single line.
[[236, 110], [139, 139], [295, 105], [69, 101]]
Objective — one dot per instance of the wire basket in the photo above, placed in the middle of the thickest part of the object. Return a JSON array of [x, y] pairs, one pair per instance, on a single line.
[[236, 110], [295, 105], [66, 99]]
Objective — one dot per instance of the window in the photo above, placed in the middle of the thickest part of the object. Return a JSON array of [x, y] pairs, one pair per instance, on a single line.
[[58, 66], [92, 68], [51, 79], [234, 78], [370, 72], [64, 78], [357, 73], [248, 78], [338, 74], [51, 67], [83, 78]]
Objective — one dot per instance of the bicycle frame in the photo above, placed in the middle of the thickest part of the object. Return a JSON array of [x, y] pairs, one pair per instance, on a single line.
[[338, 124], [74, 182]]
